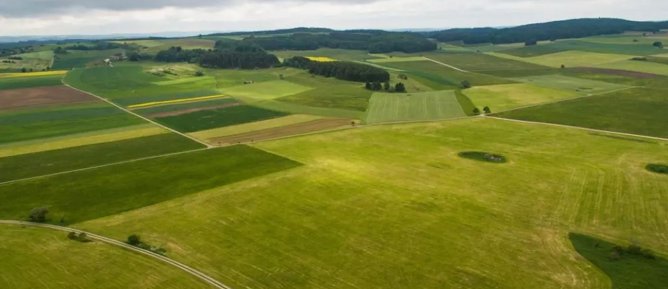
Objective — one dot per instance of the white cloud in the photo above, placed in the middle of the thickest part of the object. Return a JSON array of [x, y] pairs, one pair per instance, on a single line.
[[131, 16]]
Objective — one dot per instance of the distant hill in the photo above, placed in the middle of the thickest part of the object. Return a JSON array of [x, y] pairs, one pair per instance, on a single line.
[[574, 28]]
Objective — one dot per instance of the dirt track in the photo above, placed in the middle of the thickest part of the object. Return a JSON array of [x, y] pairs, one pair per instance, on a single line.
[[39, 96], [278, 132]]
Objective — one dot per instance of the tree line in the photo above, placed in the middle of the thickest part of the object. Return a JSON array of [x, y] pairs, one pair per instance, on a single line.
[[343, 70], [574, 28], [374, 41], [225, 55]]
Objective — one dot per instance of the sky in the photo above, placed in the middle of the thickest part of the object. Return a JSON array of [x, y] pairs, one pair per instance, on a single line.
[[98, 17]]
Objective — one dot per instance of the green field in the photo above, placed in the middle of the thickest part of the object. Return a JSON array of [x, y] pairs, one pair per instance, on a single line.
[[484, 63], [27, 82], [396, 207], [32, 61], [641, 66], [510, 96], [578, 85], [629, 111], [208, 119], [131, 84], [571, 58], [254, 126], [66, 264], [628, 271], [54, 161], [266, 90], [95, 193], [155, 45], [22, 125], [82, 58], [329, 93], [586, 45], [80, 139], [439, 77], [179, 107], [396, 107]]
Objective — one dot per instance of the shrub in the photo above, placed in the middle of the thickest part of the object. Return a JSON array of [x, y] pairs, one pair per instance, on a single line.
[[38, 215], [657, 168], [134, 240], [466, 84]]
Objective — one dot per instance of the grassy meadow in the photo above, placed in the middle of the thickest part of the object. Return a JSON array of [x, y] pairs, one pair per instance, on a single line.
[[395, 206], [398, 107], [65, 264]]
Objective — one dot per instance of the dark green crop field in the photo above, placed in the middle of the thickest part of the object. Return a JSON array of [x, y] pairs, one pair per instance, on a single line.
[[48, 162], [206, 119], [59, 121], [90, 194], [636, 111]]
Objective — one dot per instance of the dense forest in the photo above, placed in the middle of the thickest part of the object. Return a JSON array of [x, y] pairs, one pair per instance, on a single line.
[[340, 69], [225, 55], [374, 41], [575, 28]]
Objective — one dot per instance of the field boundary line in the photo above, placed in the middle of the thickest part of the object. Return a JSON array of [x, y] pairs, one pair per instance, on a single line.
[[137, 115], [206, 278], [579, 127], [446, 65], [102, 166]]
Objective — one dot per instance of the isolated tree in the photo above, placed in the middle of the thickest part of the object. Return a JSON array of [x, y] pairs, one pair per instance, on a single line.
[[466, 84], [386, 86], [658, 44], [487, 110], [200, 73], [400, 87], [368, 85], [38, 215], [134, 240], [476, 111], [24, 70]]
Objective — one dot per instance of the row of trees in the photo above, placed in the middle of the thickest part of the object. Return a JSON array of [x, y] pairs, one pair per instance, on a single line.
[[575, 28], [371, 40], [223, 56], [341, 70], [377, 86]]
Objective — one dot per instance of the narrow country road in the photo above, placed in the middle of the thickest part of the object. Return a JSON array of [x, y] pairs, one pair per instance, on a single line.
[[213, 282]]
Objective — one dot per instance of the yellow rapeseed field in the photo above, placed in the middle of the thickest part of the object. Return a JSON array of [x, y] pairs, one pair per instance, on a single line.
[[32, 74], [183, 100], [321, 58]]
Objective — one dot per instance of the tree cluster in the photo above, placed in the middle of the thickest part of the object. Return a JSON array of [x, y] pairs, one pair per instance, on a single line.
[[575, 28], [371, 40], [377, 86], [98, 45], [340, 69], [225, 55]]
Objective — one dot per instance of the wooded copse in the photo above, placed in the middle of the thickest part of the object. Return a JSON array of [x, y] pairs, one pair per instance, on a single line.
[[223, 56], [340, 69]]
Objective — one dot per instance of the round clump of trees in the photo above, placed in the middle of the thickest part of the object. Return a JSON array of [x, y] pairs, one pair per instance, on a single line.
[[657, 168], [483, 156]]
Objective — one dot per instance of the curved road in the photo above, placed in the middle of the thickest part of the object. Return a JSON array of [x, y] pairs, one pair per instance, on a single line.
[[213, 282]]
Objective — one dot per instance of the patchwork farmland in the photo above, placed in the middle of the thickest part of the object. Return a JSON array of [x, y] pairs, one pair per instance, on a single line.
[[469, 165]]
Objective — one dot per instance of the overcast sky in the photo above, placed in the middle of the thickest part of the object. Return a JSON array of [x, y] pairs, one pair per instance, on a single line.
[[58, 17]]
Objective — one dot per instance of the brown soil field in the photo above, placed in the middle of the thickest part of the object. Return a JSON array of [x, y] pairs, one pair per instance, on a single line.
[[278, 132], [39, 96], [185, 111]]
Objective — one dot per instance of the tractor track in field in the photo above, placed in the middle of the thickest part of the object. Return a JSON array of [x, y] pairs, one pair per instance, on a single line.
[[137, 115], [205, 278], [446, 65]]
